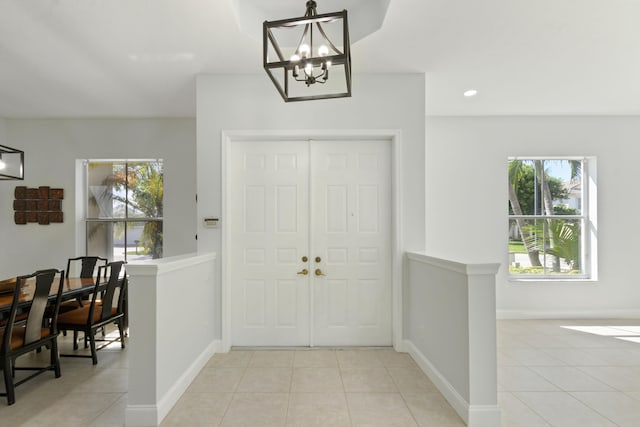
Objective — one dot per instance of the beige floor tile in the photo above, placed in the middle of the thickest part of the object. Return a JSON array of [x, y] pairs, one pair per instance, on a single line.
[[318, 410], [272, 359], [411, 380], [232, 359], [621, 378], [546, 341], [75, 409], [568, 378], [504, 360], [256, 410], [562, 409], [521, 378], [515, 413], [106, 380], [358, 359], [531, 357], [379, 410], [616, 406], [266, 380], [315, 359], [216, 380], [198, 409], [114, 415], [510, 341], [316, 380], [634, 394], [431, 409], [393, 358], [615, 356], [575, 357], [367, 380]]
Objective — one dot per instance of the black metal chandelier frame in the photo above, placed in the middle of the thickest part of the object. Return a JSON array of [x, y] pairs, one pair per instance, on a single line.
[[302, 65], [12, 152]]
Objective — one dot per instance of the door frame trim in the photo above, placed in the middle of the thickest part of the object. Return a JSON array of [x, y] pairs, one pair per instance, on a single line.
[[394, 137]]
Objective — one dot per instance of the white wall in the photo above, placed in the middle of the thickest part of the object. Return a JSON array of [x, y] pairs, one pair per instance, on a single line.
[[3, 137], [51, 149], [466, 214], [251, 102]]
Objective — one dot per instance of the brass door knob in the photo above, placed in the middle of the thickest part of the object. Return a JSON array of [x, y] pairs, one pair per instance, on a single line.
[[305, 259], [318, 259], [304, 272], [319, 272]]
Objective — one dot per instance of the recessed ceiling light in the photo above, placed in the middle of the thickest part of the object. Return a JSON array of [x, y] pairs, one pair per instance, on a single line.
[[470, 92]]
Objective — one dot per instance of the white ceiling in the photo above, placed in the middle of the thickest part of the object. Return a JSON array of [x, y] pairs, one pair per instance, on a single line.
[[139, 58]]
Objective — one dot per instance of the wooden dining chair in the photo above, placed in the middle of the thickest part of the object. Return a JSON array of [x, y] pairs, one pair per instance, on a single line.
[[87, 268], [29, 334], [88, 265], [106, 307]]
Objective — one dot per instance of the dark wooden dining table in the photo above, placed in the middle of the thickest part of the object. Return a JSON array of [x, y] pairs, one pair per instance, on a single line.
[[73, 287]]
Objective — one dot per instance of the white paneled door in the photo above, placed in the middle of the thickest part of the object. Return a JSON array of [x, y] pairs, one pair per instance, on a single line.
[[310, 243]]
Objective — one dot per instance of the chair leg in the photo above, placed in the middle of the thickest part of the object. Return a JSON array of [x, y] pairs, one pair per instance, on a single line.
[[8, 381], [121, 330], [55, 357], [92, 342], [75, 340]]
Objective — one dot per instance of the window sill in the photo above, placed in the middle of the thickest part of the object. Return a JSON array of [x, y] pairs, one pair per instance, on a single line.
[[551, 280]]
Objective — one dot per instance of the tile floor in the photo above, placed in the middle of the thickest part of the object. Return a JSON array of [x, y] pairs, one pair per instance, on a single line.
[[562, 373], [569, 373], [306, 388]]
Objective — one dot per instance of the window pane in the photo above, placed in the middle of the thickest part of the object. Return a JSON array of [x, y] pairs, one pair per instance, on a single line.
[[144, 240], [545, 187], [104, 238], [545, 246], [124, 241], [106, 190], [145, 190]]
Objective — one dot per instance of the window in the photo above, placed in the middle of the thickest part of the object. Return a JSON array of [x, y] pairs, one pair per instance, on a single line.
[[548, 218], [124, 209]]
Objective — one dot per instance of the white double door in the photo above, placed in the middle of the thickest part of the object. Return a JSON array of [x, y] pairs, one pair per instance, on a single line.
[[310, 243]]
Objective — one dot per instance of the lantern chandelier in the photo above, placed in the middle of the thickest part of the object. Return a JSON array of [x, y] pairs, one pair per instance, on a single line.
[[318, 48], [11, 163]]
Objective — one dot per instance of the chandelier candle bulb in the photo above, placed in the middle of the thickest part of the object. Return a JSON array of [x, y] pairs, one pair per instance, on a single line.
[[304, 50]]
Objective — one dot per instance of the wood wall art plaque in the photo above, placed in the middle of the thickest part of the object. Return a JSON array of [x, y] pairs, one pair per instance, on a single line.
[[42, 205]]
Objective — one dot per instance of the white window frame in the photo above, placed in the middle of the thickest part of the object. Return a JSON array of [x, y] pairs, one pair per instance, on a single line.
[[86, 220], [588, 229]]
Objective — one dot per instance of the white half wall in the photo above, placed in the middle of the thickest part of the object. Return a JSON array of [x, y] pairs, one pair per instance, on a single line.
[[51, 149], [466, 214], [251, 102], [451, 333], [171, 332]]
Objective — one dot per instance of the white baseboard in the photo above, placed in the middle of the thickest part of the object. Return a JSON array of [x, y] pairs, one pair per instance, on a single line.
[[567, 314], [152, 415], [472, 415], [141, 415]]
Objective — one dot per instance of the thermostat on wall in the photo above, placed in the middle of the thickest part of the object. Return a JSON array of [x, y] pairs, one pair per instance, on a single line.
[[210, 222]]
